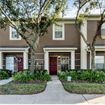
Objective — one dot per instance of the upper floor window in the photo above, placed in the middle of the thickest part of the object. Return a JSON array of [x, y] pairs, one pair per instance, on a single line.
[[14, 35], [58, 32], [102, 30]]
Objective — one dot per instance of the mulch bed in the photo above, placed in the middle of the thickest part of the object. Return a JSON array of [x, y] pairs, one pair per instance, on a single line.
[[81, 81], [30, 82]]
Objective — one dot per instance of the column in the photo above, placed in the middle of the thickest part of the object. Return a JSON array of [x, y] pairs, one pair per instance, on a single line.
[[83, 46], [46, 60], [25, 57], [72, 59], [1, 60]]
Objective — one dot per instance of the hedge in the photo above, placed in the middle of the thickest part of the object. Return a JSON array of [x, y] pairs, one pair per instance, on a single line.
[[9, 72]]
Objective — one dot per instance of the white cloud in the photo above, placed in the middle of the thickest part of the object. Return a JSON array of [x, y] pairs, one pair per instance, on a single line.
[[72, 13]]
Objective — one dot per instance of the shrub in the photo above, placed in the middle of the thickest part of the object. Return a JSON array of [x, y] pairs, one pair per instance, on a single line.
[[26, 77], [9, 72], [83, 70], [93, 76], [3, 75], [39, 70]]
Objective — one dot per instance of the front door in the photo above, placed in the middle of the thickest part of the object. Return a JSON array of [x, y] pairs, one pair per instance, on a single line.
[[20, 64], [53, 65]]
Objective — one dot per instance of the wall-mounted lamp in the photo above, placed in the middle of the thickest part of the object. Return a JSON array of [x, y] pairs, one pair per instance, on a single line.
[[59, 56], [29, 61]]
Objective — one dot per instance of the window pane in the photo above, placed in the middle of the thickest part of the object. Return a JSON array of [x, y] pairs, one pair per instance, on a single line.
[[64, 66], [64, 62], [99, 62], [58, 34], [58, 27], [103, 26], [14, 33], [103, 32]]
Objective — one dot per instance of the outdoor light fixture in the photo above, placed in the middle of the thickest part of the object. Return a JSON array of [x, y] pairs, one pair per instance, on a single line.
[[29, 61], [59, 56]]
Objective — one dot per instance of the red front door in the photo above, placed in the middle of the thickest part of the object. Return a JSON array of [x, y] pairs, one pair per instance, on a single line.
[[53, 65], [20, 64]]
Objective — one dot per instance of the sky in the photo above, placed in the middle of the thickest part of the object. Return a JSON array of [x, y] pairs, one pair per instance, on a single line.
[[71, 13]]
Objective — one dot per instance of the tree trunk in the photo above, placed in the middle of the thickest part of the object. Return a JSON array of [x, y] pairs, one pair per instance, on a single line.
[[33, 55], [93, 59], [32, 62]]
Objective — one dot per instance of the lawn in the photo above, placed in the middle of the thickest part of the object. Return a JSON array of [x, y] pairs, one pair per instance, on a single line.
[[85, 88], [22, 88]]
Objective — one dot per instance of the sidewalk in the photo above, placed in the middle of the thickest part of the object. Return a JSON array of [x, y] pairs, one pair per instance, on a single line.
[[53, 94], [5, 81]]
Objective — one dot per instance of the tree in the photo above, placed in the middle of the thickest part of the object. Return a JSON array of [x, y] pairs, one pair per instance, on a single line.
[[31, 19], [84, 7]]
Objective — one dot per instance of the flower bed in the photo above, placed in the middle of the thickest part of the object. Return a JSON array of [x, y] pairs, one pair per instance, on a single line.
[[89, 76], [26, 77]]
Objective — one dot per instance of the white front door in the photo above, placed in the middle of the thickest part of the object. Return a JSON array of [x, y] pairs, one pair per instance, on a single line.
[[10, 63]]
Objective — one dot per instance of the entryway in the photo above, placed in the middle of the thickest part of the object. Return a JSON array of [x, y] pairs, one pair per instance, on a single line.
[[53, 65]]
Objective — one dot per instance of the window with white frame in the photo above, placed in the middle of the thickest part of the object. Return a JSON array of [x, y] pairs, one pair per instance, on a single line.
[[99, 62], [103, 30], [64, 62], [58, 32], [14, 35]]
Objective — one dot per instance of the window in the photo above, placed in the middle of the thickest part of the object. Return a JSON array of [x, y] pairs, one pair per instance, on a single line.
[[99, 62], [64, 62], [14, 35], [10, 63], [103, 30], [58, 32]]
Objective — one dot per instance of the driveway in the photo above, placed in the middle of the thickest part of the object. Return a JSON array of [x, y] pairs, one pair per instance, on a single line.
[[54, 94]]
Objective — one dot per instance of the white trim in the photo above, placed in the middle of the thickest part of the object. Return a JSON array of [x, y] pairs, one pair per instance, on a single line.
[[66, 22], [99, 48], [1, 60], [25, 61], [83, 46], [10, 34], [73, 60], [46, 56], [14, 49], [63, 32], [23, 50], [103, 37], [46, 63]]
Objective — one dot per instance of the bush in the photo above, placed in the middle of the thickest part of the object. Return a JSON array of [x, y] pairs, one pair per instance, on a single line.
[[3, 75], [81, 70], [9, 72], [26, 77], [93, 76], [39, 70]]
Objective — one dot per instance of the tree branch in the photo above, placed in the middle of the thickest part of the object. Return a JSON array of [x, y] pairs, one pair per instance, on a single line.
[[98, 28], [76, 24], [14, 26]]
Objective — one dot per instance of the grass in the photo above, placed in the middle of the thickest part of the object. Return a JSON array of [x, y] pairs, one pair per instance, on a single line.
[[85, 88], [22, 88]]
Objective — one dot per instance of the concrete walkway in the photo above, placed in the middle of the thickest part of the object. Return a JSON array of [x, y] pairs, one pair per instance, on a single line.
[[5, 81], [54, 94]]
